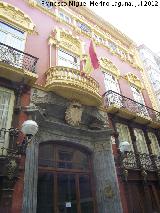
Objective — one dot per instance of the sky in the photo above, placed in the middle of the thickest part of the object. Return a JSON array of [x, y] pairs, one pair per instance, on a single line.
[[140, 23]]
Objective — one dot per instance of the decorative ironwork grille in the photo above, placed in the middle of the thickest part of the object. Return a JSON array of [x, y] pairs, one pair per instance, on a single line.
[[111, 97], [157, 161], [129, 161], [139, 161], [146, 162], [17, 58]]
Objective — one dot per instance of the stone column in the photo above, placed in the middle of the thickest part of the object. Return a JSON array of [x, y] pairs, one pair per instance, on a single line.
[[107, 190], [30, 178]]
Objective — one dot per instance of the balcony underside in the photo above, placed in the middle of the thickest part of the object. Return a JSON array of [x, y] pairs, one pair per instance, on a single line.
[[72, 84], [75, 92], [133, 116], [16, 74]]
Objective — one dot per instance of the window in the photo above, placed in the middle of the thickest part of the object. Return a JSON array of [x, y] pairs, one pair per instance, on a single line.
[[112, 45], [65, 17], [68, 60], [12, 37], [154, 144], [45, 3], [137, 95], [6, 111], [111, 83], [140, 141], [99, 39], [83, 27], [124, 134]]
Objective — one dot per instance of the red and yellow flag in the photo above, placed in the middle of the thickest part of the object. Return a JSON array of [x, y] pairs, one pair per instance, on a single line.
[[90, 63]]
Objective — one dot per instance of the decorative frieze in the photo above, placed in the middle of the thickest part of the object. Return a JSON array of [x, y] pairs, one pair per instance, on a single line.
[[133, 79], [15, 16], [66, 40], [108, 66]]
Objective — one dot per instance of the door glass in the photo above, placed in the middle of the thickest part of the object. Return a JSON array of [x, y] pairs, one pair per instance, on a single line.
[[67, 202], [86, 200], [87, 207], [45, 189]]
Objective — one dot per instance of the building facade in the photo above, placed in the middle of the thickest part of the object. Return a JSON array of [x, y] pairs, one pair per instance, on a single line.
[[74, 163], [151, 63]]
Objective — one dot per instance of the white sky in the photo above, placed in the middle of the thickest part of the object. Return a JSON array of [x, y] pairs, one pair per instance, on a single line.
[[141, 24]]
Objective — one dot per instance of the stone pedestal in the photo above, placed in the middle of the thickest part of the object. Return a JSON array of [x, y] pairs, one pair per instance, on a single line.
[[107, 191]]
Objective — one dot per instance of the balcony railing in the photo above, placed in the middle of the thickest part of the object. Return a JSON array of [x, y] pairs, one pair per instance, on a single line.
[[139, 161], [121, 103], [17, 58], [73, 84]]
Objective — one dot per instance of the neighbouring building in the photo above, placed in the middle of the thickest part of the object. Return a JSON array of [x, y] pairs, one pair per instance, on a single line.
[[151, 63], [74, 163]]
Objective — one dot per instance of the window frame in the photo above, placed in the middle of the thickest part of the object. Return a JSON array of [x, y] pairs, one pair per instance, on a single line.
[[73, 65], [5, 142], [154, 143], [15, 28], [141, 147]]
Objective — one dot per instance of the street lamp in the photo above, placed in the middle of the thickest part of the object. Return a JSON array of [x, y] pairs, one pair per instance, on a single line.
[[124, 146], [29, 129]]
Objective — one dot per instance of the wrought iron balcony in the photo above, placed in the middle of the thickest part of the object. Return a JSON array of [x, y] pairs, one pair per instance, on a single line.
[[72, 84], [16, 64], [139, 161], [130, 109]]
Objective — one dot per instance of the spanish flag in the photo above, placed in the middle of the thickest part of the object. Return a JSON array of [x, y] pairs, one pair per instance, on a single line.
[[90, 62]]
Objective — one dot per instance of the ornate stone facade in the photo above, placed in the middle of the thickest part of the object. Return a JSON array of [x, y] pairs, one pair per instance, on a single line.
[[49, 111]]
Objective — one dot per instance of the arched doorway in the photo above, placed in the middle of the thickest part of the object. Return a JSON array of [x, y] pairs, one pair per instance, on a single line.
[[65, 182]]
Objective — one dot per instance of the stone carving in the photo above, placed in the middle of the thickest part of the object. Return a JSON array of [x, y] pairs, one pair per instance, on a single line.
[[100, 120], [107, 65], [66, 40], [101, 146], [133, 79], [73, 114], [14, 15], [108, 191]]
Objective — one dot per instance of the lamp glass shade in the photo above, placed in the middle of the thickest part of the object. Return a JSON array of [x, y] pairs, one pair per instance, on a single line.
[[29, 127], [125, 146]]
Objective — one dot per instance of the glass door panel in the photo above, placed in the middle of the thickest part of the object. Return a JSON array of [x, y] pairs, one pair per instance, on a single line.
[[87, 207], [45, 195], [86, 199], [67, 202]]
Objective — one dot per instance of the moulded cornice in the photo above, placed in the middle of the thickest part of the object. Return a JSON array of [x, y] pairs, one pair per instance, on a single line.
[[90, 15], [16, 16], [133, 79], [108, 66], [66, 40]]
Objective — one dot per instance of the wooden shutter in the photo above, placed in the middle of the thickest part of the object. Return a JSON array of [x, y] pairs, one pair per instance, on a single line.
[[154, 144], [6, 112], [124, 134], [140, 141]]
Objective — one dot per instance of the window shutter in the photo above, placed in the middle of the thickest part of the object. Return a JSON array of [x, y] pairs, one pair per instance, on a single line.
[[124, 134], [154, 144], [6, 112], [111, 82], [140, 141]]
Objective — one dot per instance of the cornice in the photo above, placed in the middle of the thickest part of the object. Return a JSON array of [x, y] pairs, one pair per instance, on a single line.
[[16, 17], [108, 66], [100, 22], [133, 79]]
